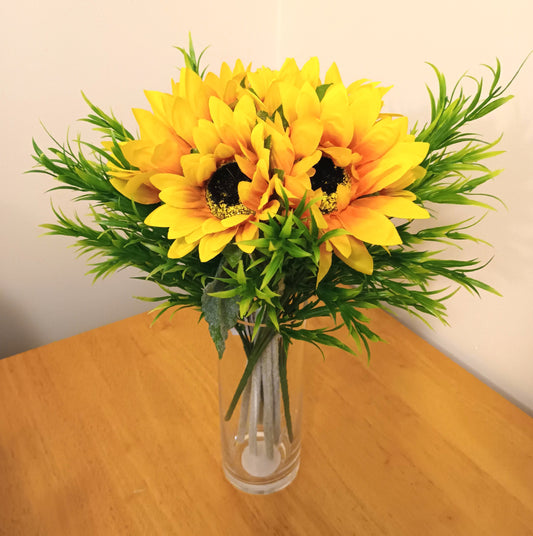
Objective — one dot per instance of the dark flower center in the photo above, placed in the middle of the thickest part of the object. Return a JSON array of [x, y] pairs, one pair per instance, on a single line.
[[328, 177], [222, 192]]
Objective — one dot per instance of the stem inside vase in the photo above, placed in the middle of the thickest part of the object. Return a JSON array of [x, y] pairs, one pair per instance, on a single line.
[[260, 442]]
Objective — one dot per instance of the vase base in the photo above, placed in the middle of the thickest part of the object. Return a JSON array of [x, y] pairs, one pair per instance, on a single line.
[[259, 464], [262, 488]]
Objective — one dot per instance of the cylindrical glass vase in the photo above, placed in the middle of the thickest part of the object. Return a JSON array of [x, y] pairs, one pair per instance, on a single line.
[[260, 416]]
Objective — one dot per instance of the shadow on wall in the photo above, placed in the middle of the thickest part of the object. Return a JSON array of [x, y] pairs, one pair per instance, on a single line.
[[17, 333]]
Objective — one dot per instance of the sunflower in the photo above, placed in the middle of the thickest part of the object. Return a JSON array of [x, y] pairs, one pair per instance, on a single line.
[[225, 187], [166, 133], [228, 85], [335, 144], [266, 85]]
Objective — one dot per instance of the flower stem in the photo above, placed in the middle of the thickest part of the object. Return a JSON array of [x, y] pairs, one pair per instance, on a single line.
[[264, 336], [268, 397], [285, 390], [255, 407]]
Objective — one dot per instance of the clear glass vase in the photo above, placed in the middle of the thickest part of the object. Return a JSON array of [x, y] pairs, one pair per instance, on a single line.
[[260, 415]]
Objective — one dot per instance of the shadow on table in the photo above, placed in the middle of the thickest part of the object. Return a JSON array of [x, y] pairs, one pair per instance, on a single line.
[[17, 334]]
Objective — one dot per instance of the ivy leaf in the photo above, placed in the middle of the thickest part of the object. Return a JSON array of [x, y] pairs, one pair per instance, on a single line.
[[233, 254], [221, 314]]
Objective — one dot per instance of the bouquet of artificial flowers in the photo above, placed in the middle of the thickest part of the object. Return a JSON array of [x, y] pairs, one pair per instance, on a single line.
[[264, 198]]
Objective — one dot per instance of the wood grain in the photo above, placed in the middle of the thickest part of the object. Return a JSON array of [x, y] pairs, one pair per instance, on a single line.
[[115, 431]]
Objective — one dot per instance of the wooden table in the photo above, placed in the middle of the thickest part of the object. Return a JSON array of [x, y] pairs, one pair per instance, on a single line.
[[115, 431]]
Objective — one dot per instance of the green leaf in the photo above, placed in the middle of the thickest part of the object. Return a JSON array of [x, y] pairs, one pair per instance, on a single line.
[[241, 276], [233, 254], [272, 268], [321, 90], [221, 314], [271, 313], [285, 390], [287, 226], [189, 56]]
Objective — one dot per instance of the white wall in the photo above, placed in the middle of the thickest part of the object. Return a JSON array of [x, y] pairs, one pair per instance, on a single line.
[[52, 50]]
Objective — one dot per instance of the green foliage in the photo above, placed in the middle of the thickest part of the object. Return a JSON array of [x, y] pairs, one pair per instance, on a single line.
[[191, 61], [109, 126], [116, 237], [454, 149], [321, 90], [221, 314]]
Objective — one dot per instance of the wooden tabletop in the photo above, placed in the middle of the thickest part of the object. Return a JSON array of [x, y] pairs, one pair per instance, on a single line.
[[115, 431]]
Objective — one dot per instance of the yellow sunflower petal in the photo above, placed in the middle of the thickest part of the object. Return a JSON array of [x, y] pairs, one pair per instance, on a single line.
[[221, 113], [166, 180], [232, 221], [138, 152], [289, 94], [311, 72], [255, 194], [365, 105], [244, 115], [270, 209], [138, 188], [411, 176], [333, 76], [393, 207], [184, 120], [305, 164], [224, 152], [341, 156], [319, 217], [161, 103], [359, 258], [307, 102], [225, 71], [294, 186], [257, 139], [262, 169], [289, 70], [205, 136], [187, 223], [344, 195], [341, 244], [231, 137], [206, 168], [305, 136], [239, 68], [150, 127], [211, 245], [405, 194], [281, 151], [166, 156], [210, 225], [162, 216], [381, 138], [324, 264], [260, 81], [392, 167], [179, 248], [336, 118], [246, 232], [198, 168], [369, 226], [232, 91], [195, 226], [183, 197], [196, 91], [247, 167]]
